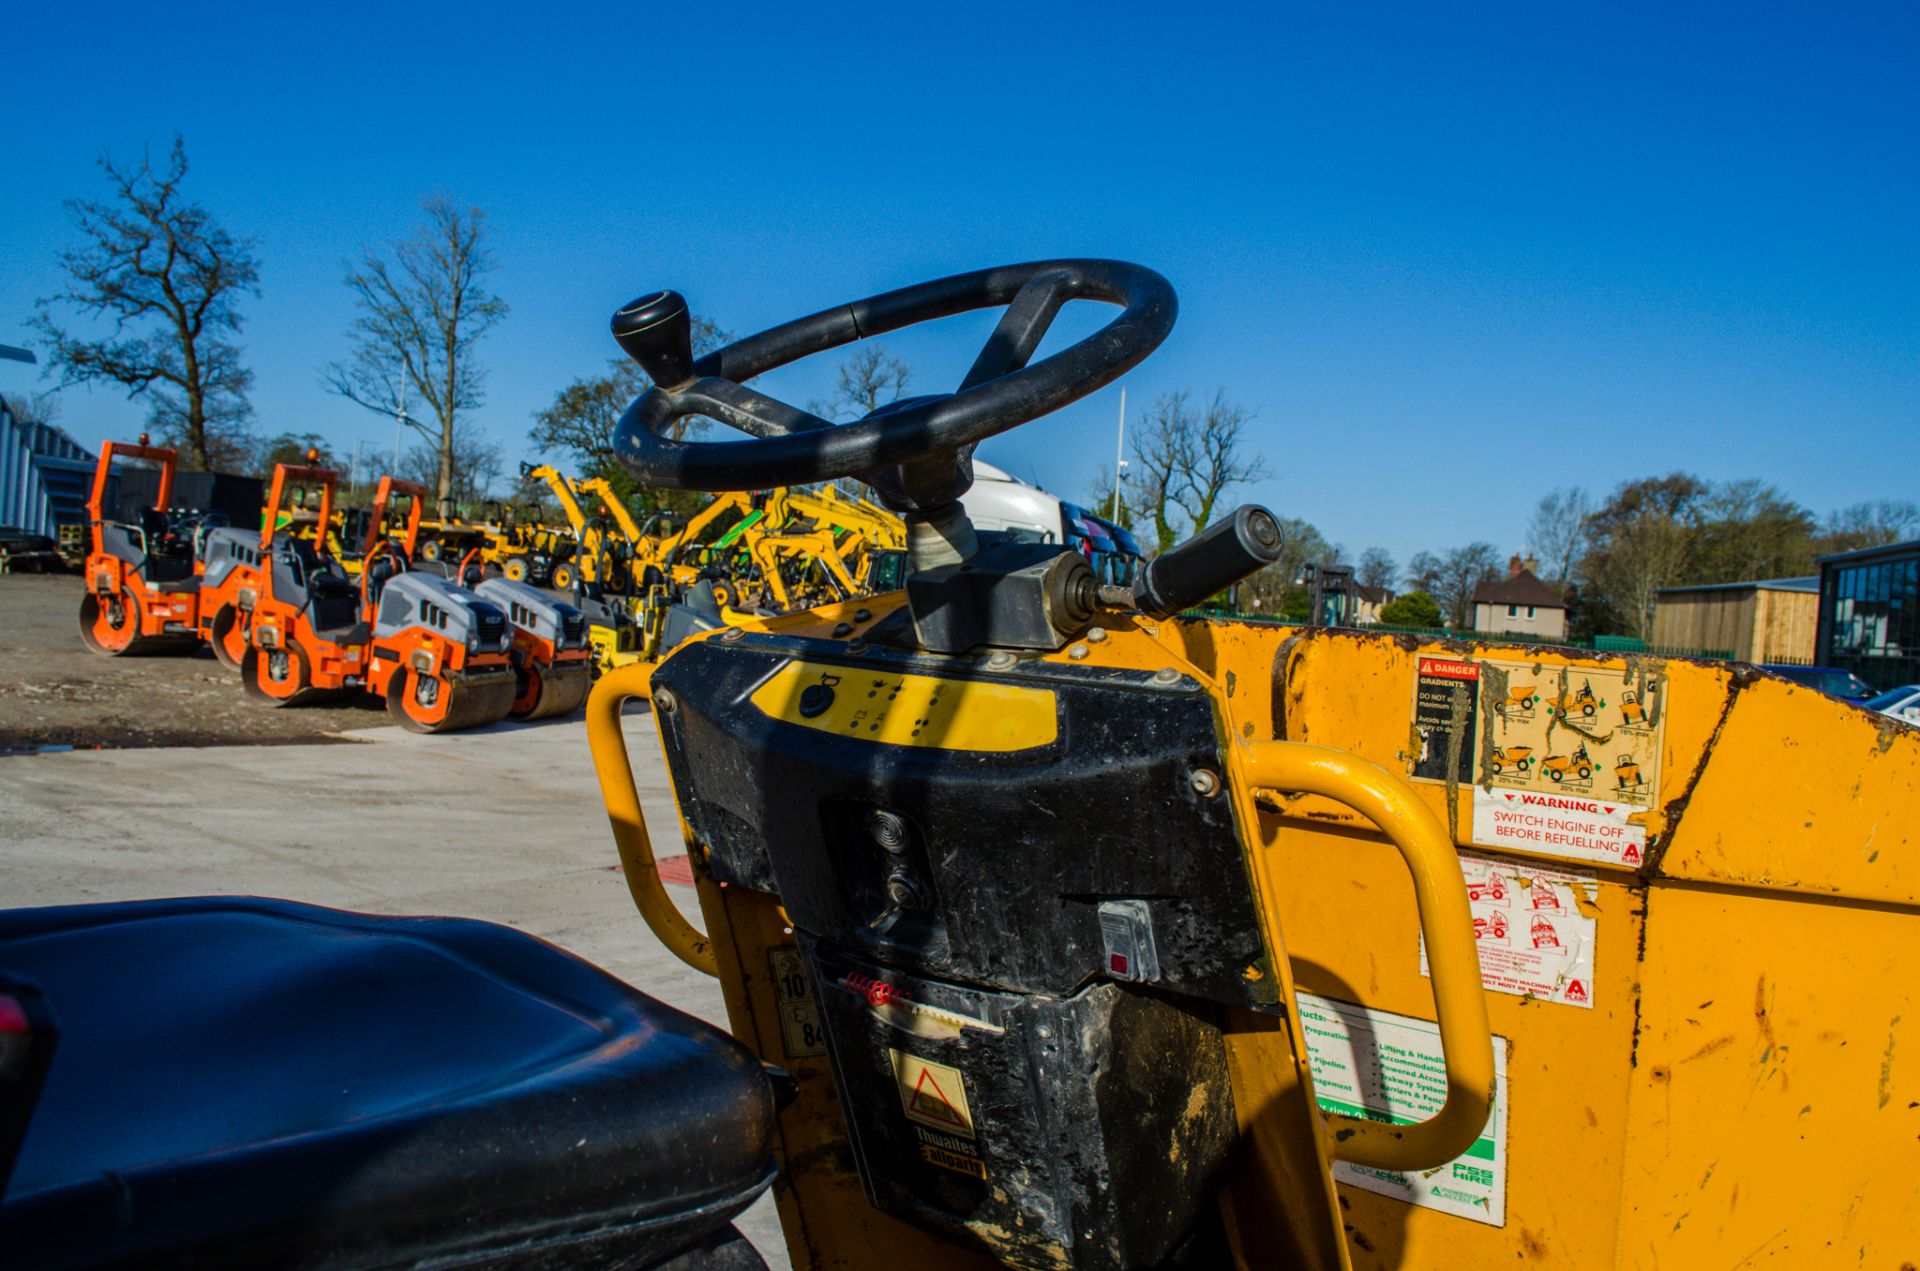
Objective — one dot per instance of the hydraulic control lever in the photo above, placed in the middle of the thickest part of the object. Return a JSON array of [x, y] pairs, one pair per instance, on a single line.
[[1209, 562]]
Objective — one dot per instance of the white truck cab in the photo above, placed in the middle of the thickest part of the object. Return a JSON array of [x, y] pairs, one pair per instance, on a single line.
[[998, 501]]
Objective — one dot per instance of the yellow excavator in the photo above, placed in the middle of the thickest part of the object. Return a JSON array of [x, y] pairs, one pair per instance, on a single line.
[[602, 558], [821, 545], [502, 540], [783, 548]]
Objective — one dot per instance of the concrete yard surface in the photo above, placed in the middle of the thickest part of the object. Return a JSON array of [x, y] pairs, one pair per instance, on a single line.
[[503, 824]]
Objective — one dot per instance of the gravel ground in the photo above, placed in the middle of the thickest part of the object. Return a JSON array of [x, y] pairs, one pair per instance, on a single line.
[[55, 692]]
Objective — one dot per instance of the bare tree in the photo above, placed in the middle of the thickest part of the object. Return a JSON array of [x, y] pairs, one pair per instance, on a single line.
[[1215, 462], [1871, 525], [476, 466], [1376, 569], [1748, 530], [1561, 532], [1159, 449], [1185, 459], [33, 408], [1456, 575], [870, 378], [1423, 573], [169, 278], [422, 314]]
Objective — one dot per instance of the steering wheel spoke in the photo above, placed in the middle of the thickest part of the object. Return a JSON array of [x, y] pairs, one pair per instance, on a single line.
[[747, 409], [1021, 327]]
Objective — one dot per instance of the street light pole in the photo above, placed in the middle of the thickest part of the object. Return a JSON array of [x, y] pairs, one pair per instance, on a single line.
[[1119, 457], [399, 422]]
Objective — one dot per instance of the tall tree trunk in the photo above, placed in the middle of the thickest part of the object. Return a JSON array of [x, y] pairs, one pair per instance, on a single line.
[[198, 452], [445, 492]]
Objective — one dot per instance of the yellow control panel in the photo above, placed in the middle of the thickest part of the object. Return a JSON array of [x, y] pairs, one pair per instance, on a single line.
[[910, 710]]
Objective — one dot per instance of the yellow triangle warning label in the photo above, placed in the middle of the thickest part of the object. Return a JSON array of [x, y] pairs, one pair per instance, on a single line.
[[932, 1094]]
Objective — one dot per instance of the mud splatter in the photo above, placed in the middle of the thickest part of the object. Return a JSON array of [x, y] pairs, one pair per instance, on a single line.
[[1886, 1062]]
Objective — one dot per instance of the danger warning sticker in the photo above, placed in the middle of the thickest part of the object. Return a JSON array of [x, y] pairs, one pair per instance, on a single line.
[[932, 1094], [1561, 825], [1534, 938], [1445, 697]]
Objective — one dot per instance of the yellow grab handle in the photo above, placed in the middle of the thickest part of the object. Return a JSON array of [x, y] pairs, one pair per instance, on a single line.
[[1466, 1038], [610, 764]]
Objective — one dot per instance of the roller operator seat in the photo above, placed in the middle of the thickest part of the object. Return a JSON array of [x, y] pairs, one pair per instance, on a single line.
[[246, 1082]]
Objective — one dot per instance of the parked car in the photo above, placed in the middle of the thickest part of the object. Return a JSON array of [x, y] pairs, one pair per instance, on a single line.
[[1902, 703], [1830, 680]]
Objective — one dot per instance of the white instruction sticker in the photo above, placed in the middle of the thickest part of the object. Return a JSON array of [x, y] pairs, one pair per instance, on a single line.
[[1388, 1068], [1560, 825], [1534, 940]]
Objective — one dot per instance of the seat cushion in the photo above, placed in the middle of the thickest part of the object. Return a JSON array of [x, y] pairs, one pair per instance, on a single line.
[[249, 1082]]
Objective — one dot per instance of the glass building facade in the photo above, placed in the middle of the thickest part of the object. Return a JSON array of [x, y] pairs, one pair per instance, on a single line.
[[1870, 614]]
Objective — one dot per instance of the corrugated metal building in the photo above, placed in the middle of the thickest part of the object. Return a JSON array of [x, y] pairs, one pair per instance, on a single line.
[[1772, 620], [44, 476]]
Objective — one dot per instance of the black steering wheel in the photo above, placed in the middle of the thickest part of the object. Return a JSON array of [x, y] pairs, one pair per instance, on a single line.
[[915, 452]]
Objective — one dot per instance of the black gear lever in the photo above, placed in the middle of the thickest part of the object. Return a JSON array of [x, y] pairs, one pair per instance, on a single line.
[[657, 332], [1209, 562]]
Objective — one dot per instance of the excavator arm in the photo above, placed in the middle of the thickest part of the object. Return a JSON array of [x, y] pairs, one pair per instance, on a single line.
[[563, 493], [615, 505]]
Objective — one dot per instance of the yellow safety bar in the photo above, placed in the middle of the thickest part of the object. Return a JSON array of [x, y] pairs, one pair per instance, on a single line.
[[1466, 1038], [610, 764]]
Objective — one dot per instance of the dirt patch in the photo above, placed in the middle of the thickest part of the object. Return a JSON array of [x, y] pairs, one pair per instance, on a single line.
[[55, 692]]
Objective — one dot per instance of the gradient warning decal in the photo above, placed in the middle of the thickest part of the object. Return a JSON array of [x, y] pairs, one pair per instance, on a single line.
[[1569, 759]]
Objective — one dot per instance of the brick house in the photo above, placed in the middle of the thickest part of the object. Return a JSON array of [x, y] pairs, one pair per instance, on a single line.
[[1519, 604]]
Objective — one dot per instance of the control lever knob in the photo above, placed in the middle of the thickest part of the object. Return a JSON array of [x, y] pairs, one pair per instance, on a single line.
[[657, 332], [1211, 561]]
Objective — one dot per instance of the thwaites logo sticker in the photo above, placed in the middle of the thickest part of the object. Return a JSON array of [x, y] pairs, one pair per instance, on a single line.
[[934, 1098]]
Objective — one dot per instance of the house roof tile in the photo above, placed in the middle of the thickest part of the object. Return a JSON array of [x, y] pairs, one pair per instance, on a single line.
[[1519, 589]]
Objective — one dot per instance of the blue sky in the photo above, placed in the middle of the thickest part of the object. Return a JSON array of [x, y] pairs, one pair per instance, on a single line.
[[1452, 259]]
